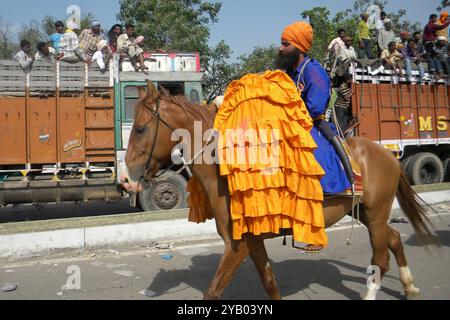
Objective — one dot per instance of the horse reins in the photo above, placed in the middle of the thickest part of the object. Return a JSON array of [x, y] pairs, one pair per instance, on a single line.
[[155, 113]]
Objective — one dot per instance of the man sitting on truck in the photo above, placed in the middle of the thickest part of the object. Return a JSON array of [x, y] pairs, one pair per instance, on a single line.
[[69, 45], [89, 38], [393, 59], [103, 55], [24, 56], [46, 53], [411, 55], [128, 47]]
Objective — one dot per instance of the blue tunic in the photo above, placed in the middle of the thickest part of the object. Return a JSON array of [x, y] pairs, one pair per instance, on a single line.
[[316, 95]]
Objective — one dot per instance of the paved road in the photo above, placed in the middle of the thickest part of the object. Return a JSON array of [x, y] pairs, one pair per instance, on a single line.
[[185, 271]]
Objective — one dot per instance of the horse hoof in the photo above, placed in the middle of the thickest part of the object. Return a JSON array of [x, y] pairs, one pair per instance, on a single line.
[[413, 294]]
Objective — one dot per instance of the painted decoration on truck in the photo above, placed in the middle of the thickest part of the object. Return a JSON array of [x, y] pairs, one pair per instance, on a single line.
[[74, 147]]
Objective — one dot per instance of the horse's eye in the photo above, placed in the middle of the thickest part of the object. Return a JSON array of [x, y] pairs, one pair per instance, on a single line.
[[140, 130]]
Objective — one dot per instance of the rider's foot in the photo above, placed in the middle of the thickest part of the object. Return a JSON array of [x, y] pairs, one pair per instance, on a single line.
[[312, 248], [309, 247]]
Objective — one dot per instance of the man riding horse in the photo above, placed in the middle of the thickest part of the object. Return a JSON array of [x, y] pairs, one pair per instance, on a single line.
[[313, 82]]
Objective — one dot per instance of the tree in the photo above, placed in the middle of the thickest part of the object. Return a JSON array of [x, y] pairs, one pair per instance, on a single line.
[[33, 33], [260, 60], [444, 4], [7, 47], [218, 71], [323, 30], [181, 25]]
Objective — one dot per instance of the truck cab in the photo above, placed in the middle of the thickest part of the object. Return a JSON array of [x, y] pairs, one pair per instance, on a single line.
[[180, 75]]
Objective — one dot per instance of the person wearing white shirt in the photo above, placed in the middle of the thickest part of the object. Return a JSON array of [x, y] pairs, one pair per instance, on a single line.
[[24, 57], [338, 42], [381, 22], [102, 55], [347, 52]]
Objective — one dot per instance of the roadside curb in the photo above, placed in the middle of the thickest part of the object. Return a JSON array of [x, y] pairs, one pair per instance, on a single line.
[[35, 243]]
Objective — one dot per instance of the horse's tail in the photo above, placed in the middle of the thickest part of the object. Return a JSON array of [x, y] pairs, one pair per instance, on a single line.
[[414, 208]]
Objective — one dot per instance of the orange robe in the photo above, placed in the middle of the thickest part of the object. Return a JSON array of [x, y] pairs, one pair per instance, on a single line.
[[273, 176]]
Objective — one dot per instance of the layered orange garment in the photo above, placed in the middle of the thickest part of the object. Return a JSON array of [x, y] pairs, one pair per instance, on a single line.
[[266, 152]]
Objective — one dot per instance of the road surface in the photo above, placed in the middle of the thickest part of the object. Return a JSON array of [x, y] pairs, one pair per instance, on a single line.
[[185, 271]]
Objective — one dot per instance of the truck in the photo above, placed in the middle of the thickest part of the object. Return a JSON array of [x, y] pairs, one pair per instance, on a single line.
[[64, 129], [409, 119]]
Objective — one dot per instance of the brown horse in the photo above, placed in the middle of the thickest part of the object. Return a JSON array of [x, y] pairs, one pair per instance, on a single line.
[[150, 148]]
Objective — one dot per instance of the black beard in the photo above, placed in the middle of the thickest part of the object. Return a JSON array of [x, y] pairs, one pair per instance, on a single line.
[[287, 61]]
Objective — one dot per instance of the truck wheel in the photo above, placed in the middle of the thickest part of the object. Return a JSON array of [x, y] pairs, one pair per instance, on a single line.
[[425, 168], [405, 163], [167, 194], [446, 163]]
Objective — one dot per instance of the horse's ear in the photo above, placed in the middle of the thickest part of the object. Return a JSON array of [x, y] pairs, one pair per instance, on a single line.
[[152, 92], [164, 91], [142, 92]]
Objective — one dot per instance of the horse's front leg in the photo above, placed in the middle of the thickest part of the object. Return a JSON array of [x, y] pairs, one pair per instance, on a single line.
[[234, 255]]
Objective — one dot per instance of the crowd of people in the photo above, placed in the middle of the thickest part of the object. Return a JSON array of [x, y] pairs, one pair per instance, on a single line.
[[70, 45], [396, 51]]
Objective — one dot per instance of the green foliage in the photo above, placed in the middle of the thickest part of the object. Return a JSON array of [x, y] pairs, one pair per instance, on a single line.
[[260, 60], [7, 47], [218, 71], [33, 33], [444, 4]]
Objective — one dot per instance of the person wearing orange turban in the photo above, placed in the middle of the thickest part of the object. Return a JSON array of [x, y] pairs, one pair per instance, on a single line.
[[442, 20], [300, 35], [314, 85]]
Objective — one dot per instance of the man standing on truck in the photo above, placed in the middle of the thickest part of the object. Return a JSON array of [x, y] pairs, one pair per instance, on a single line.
[[363, 34], [24, 56], [429, 33]]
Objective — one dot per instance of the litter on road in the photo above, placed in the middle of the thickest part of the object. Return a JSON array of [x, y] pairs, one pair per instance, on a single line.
[[9, 287]]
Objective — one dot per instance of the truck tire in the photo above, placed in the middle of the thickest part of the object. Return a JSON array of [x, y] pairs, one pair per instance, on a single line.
[[406, 162], [425, 168], [446, 163], [166, 194]]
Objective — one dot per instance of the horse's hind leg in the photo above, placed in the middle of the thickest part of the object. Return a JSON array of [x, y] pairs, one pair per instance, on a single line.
[[406, 278], [259, 256], [235, 253]]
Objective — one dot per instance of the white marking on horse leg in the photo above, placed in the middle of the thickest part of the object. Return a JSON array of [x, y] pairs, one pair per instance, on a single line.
[[407, 280], [371, 294]]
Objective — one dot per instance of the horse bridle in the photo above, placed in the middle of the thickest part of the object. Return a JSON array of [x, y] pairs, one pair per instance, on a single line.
[[155, 113]]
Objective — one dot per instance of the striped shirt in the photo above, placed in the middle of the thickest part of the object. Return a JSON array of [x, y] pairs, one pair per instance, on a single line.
[[88, 42], [69, 46], [344, 96], [441, 52]]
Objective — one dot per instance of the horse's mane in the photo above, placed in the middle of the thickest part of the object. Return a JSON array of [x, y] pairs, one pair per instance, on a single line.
[[194, 111]]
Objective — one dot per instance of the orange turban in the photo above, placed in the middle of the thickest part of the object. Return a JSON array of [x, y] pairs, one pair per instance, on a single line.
[[443, 17], [300, 35]]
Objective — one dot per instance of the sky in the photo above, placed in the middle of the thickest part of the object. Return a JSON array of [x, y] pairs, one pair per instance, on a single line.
[[243, 24]]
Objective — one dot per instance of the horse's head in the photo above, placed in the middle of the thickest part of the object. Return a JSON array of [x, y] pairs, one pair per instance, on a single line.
[[150, 144]]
